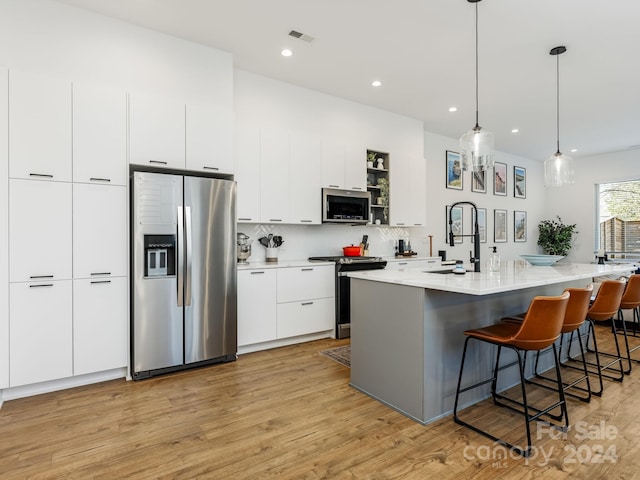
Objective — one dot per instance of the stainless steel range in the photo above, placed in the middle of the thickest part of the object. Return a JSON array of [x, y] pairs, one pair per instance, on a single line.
[[343, 286]]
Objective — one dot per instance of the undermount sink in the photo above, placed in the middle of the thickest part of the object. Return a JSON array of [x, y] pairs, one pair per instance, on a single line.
[[444, 272]]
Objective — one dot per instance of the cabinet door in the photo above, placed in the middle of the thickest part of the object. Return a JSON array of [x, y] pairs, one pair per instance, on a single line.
[[39, 230], [303, 283], [100, 324], [333, 164], [306, 169], [399, 197], [4, 226], [247, 173], [274, 175], [99, 230], [418, 191], [156, 131], [256, 306], [40, 332], [302, 318], [99, 134], [39, 127], [355, 167], [209, 137]]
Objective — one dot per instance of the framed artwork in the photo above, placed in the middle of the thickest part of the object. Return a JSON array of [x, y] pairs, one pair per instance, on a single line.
[[482, 223], [519, 226], [454, 170], [500, 179], [478, 183], [456, 225], [519, 182], [499, 226]]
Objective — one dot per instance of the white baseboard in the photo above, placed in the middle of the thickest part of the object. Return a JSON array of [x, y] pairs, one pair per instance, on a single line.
[[256, 347]]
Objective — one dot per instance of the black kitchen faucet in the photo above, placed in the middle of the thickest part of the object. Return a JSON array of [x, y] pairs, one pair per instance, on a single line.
[[475, 259]]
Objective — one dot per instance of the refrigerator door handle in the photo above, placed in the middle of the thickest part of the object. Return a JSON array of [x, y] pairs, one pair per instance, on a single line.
[[188, 240], [180, 269]]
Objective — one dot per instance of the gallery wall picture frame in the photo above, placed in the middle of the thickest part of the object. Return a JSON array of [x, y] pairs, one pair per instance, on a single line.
[[454, 170], [456, 225], [500, 179], [499, 226], [478, 181], [519, 182], [482, 223], [519, 226]]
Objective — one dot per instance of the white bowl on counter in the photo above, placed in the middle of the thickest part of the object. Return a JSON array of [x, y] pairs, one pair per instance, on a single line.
[[542, 260]]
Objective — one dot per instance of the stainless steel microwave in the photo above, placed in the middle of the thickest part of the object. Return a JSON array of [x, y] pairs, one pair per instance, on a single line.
[[345, 206]]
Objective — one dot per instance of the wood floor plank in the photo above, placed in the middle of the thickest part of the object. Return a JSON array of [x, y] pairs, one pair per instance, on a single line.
[[289, 413]]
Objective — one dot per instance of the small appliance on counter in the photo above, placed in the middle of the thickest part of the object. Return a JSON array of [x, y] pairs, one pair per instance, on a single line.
[[243, 247]]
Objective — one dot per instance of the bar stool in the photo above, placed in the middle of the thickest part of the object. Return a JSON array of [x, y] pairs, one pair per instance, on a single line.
[[631, 301], [603, 308], [539, 329]]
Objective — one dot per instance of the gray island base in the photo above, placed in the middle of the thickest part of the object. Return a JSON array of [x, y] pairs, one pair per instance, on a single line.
[[407, 330]]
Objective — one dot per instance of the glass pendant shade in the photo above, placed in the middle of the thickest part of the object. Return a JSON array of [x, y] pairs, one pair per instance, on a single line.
[[558, 170], [476, 149]]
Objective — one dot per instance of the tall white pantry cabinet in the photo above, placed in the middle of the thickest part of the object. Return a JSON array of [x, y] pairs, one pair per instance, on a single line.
[[65, 257]]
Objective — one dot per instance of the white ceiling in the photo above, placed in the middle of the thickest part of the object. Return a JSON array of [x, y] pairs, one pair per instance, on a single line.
[[423, 51]]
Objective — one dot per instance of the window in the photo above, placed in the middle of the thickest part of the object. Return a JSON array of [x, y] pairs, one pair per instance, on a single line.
[[619, 219]]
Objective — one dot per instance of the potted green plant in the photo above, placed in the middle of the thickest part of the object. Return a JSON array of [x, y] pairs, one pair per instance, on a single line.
[[555, 237], [371, 158], [383, 183]]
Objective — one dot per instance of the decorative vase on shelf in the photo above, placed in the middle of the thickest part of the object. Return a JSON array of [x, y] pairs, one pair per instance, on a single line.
[[380, 164], [369, 164]]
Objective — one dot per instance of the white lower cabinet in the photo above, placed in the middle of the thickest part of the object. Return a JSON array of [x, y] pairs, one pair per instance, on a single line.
[[99, 324], [400, 264], [256, 306], [280, 303], [304, 317], [40, 332]]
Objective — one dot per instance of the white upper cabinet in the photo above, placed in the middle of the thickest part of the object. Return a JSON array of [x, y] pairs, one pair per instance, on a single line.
[[4, 239], [333, 173], [418, 191], [99, 135], [99, 231], [209, 137], [39, 230], [355, 167], [156, 131], [305, 185], [247, 173], [407, 191], [274, 176], [39, 127]]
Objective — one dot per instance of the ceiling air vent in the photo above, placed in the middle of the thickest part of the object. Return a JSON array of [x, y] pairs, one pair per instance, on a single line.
[[301, 36]]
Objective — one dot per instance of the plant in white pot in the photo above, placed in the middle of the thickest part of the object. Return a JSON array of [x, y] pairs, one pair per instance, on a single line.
[[555, 237]]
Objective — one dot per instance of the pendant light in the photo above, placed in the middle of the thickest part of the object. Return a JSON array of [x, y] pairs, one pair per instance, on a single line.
[[476, 146], [558, 168]]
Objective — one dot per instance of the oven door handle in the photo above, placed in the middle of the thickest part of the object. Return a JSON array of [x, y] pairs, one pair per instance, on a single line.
[[342, 274]]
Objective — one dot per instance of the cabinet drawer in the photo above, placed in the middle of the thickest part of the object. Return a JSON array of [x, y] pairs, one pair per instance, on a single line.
[[304, 283], [400, 264], [302, 318]]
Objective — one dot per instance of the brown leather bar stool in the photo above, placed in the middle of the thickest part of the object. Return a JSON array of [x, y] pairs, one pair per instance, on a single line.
[[604, 308], [630, 301], [539, 329], [574, 318]]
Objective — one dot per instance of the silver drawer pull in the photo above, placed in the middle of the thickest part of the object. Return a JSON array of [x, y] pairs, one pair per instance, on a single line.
[[256, 273], [96, 179], [306, 269], [306, 221], [211, 168], [402, 263], [100, 281], [244, 219], [41, 285], [43, 175], [334, 186], [40, 276], [158, 161], [306, 303], [100, 273], [356, 188]]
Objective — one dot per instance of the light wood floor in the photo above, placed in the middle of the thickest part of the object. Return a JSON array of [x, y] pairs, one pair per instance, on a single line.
[[289, 413]]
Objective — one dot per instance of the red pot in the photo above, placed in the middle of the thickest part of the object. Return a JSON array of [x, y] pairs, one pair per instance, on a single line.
[[351, 251]]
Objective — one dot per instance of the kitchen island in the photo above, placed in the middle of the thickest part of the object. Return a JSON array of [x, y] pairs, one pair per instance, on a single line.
[[407, 329]]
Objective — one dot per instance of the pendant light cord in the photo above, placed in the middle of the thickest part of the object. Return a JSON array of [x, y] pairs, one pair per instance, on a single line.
[[477, 121], [558, 104]]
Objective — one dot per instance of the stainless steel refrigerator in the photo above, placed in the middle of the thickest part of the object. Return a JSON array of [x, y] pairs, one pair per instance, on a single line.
[[183, 272]]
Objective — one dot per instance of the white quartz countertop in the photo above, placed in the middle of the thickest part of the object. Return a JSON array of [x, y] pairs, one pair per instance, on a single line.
[[513, 275]]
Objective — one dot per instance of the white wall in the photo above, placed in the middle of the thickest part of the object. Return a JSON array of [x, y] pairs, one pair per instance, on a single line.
[[576, 203], [59, 40], [438, 196]]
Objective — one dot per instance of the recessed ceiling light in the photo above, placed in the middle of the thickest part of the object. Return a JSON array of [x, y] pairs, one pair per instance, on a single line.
[[574, 150], [515, 130], [376, 83], [453, 109], [286, 52]]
